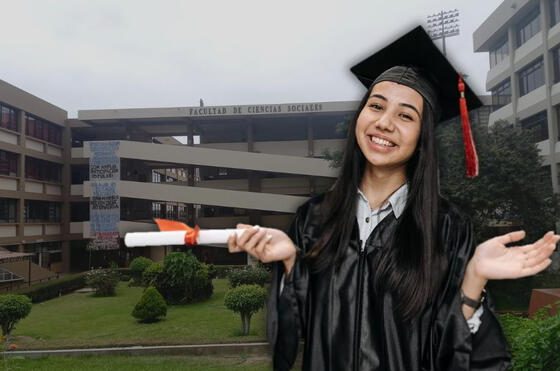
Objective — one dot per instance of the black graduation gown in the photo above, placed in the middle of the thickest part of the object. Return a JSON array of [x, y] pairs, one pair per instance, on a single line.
[[345, 326]]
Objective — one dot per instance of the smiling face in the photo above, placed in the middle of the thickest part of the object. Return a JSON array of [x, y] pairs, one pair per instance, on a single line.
[[388, 127]]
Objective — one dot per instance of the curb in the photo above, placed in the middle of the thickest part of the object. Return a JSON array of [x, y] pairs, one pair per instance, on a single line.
[[196, 349]]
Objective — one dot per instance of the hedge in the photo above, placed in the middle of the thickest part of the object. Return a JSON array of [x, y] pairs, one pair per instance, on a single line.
[[54, 288]]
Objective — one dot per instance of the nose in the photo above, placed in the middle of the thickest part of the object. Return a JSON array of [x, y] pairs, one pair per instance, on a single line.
[[384, 122]]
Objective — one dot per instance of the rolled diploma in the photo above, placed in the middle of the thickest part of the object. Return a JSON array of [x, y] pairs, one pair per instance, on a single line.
[[205, 237]]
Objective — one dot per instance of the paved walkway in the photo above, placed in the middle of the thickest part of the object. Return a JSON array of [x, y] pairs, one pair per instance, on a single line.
[[195, 349]]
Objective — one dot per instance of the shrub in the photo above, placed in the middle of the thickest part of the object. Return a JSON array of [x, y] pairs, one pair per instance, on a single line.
[[245, 300], [183, 279], [534, 342], [54, 288], [151, 274], [137, 267], [12, 309], [248, 276], [151, 306], [103, 281]]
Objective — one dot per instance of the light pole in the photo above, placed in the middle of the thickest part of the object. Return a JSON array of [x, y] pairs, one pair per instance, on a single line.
[[443, 24]]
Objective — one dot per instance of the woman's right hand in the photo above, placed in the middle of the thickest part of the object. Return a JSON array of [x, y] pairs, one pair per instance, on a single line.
[[265, 244]]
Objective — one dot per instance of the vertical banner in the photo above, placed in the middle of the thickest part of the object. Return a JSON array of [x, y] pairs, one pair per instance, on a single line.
[[104, 204]]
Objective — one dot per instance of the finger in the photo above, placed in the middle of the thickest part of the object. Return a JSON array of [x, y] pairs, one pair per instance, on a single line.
[[232, 244], [543, 253], [243, 226], [529, 271], [510, 237], [247, 234], [260, 249], [534, 248], [255, 239]]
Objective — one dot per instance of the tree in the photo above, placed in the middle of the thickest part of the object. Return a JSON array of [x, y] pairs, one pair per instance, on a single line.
[[245, 300], [12, 309], [137, 267], [151, 306], [511, 185], [183, 279]]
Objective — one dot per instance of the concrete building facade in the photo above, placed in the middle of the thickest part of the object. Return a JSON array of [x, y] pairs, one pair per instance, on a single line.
[[522, 38]]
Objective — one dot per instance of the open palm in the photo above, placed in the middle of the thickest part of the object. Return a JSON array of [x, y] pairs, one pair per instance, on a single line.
[[494, 260]]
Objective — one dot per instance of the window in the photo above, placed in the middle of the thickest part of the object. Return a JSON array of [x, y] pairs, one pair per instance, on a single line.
[[8, 118], [43, 130], [531, 77], [538, 125], [8, 163], [8, 210], [554, 12], [556, 64], [41, 212], [501, 94], [529, 27], [42, 170], [500, 52], [557, 109]]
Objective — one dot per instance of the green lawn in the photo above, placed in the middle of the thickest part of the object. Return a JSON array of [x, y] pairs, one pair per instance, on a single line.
[[82, 320], [138, 363]]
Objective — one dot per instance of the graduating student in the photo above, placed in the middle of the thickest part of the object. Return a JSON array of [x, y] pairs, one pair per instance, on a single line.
[[381, 272]]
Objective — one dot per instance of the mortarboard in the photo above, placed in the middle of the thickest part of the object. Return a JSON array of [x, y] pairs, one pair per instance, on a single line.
[[414, 61]]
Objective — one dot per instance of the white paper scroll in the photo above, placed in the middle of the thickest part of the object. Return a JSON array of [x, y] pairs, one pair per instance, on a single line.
[[205, 237]]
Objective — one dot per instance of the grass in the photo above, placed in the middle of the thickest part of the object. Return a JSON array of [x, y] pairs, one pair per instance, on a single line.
[[139, 363], [82, 320]]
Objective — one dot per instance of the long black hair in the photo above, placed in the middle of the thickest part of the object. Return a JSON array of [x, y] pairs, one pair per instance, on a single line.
[[411, 269]]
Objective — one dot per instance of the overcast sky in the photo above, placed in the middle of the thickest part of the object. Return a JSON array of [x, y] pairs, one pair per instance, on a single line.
[[83, 54]]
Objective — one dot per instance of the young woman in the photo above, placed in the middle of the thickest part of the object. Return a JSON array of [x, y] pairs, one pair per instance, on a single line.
[[380, 273]]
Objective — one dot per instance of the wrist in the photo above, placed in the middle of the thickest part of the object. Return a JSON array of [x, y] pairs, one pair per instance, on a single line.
[[473, 283], [289, 264]]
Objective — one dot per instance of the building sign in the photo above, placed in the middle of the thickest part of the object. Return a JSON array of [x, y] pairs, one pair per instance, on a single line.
[[104, 204], [254, 109]]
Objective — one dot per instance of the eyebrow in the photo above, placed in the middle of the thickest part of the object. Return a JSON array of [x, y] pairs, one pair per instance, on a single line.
[[375, 95]]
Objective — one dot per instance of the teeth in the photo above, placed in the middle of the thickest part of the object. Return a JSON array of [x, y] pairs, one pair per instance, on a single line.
[[383, 142]]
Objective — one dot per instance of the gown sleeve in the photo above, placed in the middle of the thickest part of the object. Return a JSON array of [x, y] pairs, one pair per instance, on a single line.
[[453, 346], [286, 309]]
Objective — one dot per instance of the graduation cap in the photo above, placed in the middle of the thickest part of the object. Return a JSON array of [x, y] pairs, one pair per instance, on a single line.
[[414, 61]]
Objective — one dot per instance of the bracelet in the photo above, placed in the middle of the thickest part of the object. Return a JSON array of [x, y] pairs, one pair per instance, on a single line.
[[471, 302]]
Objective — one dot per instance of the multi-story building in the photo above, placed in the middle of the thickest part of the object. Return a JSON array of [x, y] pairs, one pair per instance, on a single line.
[[34, 186], [210, 166], [522, 38]]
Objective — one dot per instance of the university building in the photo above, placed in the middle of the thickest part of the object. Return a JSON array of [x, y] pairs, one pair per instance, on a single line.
[[522, 38], [210, 166]]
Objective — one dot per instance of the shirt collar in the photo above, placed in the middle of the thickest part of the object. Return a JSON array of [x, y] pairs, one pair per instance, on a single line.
[[397, 201]]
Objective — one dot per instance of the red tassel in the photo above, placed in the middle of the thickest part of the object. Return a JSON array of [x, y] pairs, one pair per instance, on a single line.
[[471, 157], [191, 235]]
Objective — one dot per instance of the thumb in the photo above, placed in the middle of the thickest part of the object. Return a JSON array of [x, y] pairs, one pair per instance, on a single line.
[[510, 237]]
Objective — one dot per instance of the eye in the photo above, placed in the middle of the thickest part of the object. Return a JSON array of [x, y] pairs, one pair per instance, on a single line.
[[376, 106], [406, 117]]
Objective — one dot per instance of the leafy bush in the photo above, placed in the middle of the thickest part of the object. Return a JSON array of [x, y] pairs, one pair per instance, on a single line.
[[151, 306], [248, 276], [54, 288], [137, 267], [124, 274], [534, 342], [245, 300], [183, 279], [151, 274], [103, 281], [12, 309]]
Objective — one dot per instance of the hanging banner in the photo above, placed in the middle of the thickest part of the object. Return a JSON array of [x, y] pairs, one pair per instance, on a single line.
[[104, 204]]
